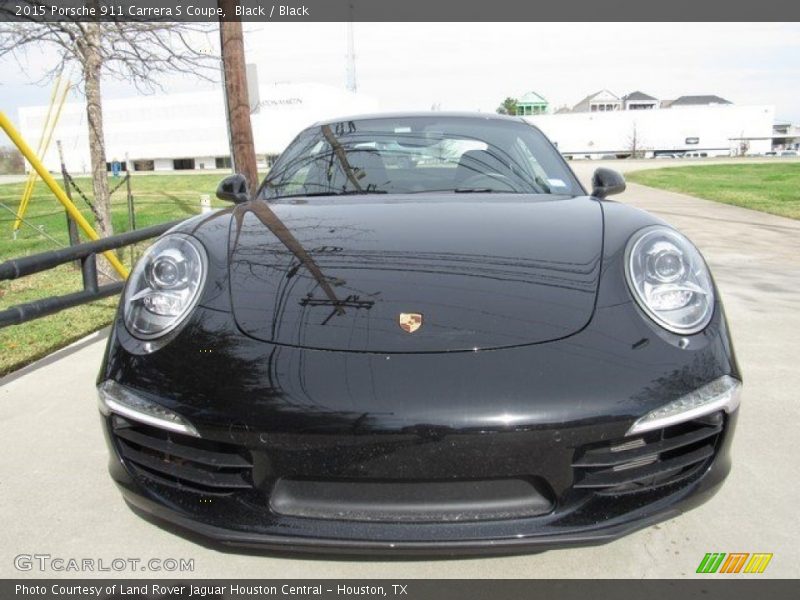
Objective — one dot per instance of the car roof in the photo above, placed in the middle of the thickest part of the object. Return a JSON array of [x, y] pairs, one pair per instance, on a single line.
[[424, 114]]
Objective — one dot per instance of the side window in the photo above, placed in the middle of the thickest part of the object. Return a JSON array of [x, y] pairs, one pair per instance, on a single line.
[[306, 177], [528, 163]]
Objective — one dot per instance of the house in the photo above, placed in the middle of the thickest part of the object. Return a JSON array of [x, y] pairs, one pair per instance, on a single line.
[[602, 101], [639, 101], [532, 104], [785, 136], [709, 100]]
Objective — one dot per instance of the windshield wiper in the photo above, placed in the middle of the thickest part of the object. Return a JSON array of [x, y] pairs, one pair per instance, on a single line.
[[482, 191], [339, 193]]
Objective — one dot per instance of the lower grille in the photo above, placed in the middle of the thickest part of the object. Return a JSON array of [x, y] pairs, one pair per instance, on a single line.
[[182, 461], [648, 460], [416, 501]]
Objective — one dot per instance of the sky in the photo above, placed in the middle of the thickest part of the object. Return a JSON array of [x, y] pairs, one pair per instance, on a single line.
[[474, 66]]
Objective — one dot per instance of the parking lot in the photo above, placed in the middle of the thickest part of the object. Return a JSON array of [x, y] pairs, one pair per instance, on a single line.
[[57, 498]]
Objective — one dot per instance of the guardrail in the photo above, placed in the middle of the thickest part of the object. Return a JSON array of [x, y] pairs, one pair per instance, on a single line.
[[86, 253]]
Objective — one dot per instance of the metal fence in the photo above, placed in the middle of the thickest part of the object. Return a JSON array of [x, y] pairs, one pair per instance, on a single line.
[[86, 253]]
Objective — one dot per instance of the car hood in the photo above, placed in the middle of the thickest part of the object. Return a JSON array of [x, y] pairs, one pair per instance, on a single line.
[[432, 273]]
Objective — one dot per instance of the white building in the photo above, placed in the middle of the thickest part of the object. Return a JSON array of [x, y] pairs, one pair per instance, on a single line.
[[602, 101], [714, 130], [188, 130]]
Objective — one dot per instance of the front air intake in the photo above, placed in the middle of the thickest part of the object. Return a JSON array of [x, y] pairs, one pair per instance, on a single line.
[[649, 460], [182, 461]]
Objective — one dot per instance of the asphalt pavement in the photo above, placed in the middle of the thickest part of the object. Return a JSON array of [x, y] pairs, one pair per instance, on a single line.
[[56, 498]]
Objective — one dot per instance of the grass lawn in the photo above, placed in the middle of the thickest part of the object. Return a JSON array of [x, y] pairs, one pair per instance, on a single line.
[[158, 198], [768, 187]]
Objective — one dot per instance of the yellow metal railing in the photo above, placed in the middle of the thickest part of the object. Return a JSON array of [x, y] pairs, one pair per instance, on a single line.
[[50, 122], [60, 195]]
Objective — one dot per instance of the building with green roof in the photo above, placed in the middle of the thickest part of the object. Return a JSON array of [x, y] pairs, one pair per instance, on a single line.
[[532, 104]]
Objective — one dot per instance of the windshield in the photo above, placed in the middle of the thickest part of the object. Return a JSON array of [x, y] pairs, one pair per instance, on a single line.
[[408, 155]]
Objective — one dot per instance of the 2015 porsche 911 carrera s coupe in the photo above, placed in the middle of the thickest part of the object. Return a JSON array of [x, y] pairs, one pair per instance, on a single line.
[[419, 334]]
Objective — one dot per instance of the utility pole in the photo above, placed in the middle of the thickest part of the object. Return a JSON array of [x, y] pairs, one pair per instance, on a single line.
[[238, 103], [352, 85]]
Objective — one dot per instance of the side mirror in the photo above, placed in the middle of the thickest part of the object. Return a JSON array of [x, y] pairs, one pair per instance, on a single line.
[[606, 182], [233, 189]]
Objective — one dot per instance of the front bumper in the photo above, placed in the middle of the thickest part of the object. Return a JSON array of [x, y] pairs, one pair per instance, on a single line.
[[532, 413], [245, 516]]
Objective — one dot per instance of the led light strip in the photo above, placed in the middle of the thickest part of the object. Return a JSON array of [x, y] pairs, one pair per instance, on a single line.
[[723, 393], [115, 398]]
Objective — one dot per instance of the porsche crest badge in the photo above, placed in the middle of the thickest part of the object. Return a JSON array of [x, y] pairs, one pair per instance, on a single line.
[[409, 322]]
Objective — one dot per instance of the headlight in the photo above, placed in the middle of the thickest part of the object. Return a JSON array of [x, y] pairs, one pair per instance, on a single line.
[[164, 286], [669, 279]]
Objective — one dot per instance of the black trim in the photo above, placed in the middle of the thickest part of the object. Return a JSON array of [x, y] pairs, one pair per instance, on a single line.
[[415, 501]]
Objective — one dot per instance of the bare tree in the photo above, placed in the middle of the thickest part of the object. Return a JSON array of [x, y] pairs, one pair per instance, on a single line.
[[635, 145], [11, 161], [137, 52], [744, 148], [744, 145]]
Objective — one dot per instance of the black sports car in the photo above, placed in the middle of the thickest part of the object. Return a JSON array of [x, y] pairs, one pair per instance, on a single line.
[[419, 334]]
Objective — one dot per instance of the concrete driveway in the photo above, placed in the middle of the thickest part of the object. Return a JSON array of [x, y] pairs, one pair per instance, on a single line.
[[56, 498], [12, 178]]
